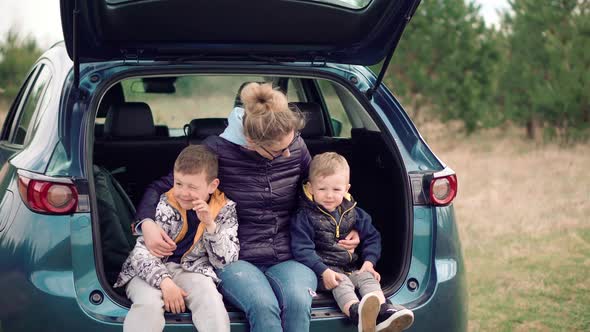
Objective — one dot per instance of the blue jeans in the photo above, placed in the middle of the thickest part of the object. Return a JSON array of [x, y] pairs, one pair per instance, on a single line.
[[274, 298]]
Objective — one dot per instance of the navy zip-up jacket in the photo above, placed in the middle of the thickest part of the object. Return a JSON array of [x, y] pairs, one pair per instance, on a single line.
[[310, 245]]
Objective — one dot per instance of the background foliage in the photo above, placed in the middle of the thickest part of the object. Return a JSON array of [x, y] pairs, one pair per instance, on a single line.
[[17, 54], [533, 71]]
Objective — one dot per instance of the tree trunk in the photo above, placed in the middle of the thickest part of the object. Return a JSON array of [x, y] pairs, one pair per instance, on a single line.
[[531, 132]]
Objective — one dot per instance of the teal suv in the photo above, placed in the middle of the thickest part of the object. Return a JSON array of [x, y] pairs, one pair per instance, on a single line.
[[104, 113]]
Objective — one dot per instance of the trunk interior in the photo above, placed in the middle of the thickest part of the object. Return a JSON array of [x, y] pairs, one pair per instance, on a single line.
[[127, 157]]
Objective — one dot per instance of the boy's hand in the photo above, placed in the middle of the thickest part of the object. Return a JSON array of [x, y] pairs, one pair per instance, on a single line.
[[156, 240], [202, 209], [331, 278], [368, 267], [173, 296], [351, 241]]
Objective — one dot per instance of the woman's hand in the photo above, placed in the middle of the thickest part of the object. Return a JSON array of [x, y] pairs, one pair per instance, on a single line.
[[173, 296], [331, 279], [351, 241], [156, 240], [368, 267]]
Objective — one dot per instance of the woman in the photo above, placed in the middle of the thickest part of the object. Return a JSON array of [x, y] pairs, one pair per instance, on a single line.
[[262, 160]]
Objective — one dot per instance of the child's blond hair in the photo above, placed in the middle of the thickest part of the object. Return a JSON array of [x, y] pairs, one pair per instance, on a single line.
[[195, 159], [327, 164]]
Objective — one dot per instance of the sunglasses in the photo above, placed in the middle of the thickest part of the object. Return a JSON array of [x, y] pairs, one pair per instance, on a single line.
[[276, 154]]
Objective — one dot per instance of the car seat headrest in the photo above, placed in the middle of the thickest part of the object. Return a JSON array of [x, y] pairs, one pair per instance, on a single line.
[[203, 128], [314, 119], [129, 120]]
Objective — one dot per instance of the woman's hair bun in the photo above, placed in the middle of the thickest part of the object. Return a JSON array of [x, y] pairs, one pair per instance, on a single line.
[[259, 98], [267, 115]]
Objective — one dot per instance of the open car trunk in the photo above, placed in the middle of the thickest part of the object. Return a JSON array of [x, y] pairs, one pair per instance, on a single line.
[[127, 158]]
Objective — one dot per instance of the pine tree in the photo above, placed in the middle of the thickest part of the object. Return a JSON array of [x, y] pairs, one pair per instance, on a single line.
[[17, 55], [546, 82], [447, 60]]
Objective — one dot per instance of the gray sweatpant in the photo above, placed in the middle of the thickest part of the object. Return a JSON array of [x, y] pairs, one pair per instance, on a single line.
[[204, 301], [364, 281]]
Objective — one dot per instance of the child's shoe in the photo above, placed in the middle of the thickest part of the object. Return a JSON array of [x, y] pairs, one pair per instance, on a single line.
[[365, 313], [394, 318]]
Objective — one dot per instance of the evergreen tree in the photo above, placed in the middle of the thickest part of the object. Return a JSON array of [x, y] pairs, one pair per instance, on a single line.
[[17, 55], [546, 82], [448, 60]]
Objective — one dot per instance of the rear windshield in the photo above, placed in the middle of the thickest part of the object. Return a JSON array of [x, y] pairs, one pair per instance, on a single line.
[[175, 101], [354, 4]]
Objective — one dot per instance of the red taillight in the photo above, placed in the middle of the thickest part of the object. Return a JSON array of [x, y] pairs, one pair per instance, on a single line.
[[443, 189], [48, 197]]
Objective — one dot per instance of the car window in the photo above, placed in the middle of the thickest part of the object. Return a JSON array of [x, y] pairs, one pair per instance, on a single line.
[[340, 120], [43, 102], [30, 105], [175, 101], [193, 97], [17, 104], [295, 92]]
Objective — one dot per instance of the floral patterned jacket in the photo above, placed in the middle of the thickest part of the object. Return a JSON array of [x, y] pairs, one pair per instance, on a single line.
[[208, 252]]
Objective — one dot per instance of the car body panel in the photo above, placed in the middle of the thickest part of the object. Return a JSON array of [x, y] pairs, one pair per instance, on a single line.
[[34, 249], [447, 307]]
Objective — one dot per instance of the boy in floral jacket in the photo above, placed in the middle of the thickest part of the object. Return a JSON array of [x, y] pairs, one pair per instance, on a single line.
[[203, 224]]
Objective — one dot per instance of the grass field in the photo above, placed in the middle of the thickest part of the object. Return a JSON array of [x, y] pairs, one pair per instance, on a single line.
[[523, 211]]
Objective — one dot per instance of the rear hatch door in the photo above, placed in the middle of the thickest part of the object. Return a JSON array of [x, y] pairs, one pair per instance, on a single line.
[[341, 31]]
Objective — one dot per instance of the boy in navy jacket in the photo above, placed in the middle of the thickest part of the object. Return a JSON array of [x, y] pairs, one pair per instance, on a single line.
[[327, 213]]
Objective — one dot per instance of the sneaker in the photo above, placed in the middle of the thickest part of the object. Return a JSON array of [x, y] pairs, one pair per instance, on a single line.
[[368, 309], [394, 318], [354, 313]]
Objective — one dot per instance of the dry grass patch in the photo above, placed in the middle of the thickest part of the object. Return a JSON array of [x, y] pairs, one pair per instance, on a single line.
[[523, 215]]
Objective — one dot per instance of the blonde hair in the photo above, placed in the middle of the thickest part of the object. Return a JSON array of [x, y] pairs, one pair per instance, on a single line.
[[267, 116], [195, 159], [327, 164]]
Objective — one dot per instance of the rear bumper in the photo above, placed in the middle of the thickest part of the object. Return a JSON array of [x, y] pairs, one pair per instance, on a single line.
[[444, 310], [60, 299], [443, 305], [447, 307]]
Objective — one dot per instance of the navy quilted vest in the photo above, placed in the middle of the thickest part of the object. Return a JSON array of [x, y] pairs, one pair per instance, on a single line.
[[266, 195], [326, 240]]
